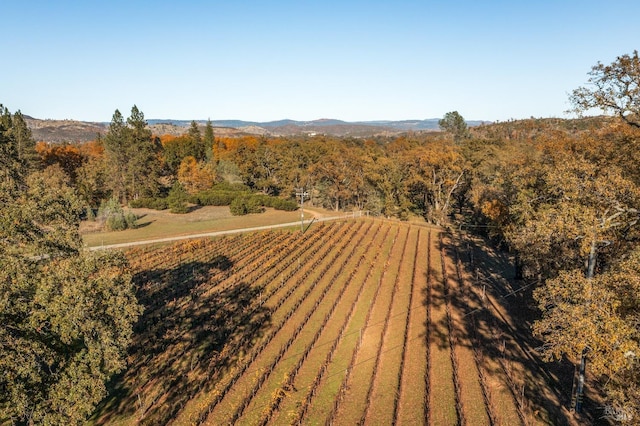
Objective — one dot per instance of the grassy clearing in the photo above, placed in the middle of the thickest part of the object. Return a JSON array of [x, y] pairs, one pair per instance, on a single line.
[[161, 224]]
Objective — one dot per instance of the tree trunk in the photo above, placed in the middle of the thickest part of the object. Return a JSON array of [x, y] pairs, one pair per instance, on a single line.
[[591, 263]]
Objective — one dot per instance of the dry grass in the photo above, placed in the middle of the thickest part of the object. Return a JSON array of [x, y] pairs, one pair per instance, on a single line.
[[155, 224]]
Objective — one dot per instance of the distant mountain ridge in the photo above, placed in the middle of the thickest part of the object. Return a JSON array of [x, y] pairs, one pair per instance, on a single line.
[[57, 131], [404, 125]]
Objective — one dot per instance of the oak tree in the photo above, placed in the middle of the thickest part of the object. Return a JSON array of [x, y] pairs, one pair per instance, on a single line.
[[66, 315], [613, 88], [195, 176]]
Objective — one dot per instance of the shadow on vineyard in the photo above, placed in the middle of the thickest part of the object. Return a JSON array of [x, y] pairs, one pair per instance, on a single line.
[[177, 341], [269, 327], [501, 329]]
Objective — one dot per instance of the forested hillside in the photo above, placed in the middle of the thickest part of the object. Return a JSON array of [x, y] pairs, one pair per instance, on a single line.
[[562, 197]]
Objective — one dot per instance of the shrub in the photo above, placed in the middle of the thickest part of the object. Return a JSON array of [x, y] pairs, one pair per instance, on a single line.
[[282, 204], [130, 219], [226, 194], [276, 202], [227, 186], [114, 218], [215, 198], [116, 222], [150, 203], [178, 198], [245, 205]]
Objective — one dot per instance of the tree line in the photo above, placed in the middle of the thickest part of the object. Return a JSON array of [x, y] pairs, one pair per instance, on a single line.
[[414, 174]]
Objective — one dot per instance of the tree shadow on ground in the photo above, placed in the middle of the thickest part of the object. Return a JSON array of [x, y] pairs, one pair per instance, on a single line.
[[500, 326], [143, 224], [498, 312], [187, 320]]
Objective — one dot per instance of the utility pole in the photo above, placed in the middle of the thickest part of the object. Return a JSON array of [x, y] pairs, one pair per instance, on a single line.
[[301, 193]]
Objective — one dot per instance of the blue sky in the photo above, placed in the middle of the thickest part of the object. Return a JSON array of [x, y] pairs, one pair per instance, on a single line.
[[304, 60]]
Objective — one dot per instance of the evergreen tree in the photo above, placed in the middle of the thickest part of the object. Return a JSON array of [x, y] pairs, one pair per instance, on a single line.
[[178, 198], [209, 140], [454, 123], [144, 161], [132, 155], [196, 143], [116, 156], [24, 140], [9, 158]]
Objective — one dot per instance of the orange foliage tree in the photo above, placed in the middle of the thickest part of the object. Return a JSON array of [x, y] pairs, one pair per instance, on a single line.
[[68, 157], [195, 176]]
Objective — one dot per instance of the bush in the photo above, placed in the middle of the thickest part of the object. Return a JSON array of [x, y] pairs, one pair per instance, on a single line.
[[245, 205], [222, 194], [150, 203], [116, 223], [215, 198], [276, 202], [114, 218], [130, 219], [226, 194], [281, 204], [178, 198], [233, 187]]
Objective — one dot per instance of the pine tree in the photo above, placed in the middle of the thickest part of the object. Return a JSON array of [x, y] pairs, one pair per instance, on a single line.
[[132, 155], [178, 198], [454, 123], [209, 140], [115, 148], [196, 143], [144, 161], [25, 144]]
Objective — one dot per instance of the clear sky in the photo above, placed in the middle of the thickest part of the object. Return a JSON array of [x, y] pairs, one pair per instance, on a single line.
[[306, 59]]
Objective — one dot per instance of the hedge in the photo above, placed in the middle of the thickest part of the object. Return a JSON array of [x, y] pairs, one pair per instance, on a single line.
[[150, 203], [221, 195]]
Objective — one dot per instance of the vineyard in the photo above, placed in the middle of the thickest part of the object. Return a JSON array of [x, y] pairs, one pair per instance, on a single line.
[[352, 322]]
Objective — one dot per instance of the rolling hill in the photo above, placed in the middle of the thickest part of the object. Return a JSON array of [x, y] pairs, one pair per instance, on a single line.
[[57, 131]]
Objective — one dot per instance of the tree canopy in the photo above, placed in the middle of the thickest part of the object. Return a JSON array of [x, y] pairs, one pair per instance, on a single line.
[[66, 315]]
